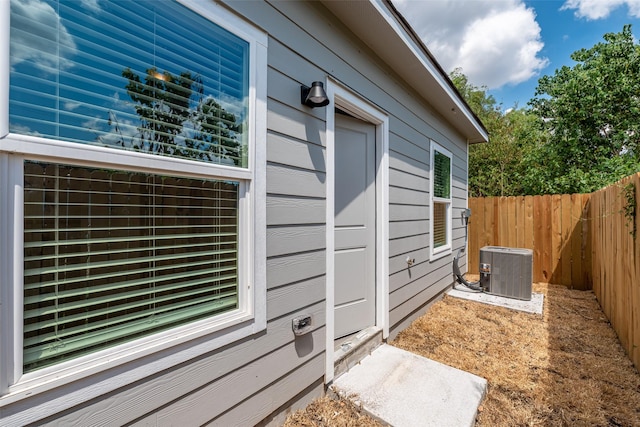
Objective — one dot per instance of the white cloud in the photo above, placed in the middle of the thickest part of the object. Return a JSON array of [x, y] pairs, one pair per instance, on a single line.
[[42, 27], [495, 42], [599, 9], [71, 105], [91, 5], [23, 130]]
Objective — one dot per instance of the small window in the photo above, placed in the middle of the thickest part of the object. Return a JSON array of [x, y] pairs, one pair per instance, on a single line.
[[440, 201]]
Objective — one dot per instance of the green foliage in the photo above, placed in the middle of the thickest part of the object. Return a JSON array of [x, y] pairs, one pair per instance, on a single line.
[[162, 102], [497, 168], [581, 131], [591, 115]]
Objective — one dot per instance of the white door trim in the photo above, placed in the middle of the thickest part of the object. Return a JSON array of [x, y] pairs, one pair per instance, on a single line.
[[346, 100]]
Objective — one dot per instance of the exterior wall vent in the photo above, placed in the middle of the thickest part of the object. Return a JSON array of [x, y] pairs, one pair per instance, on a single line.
[[506, 272]]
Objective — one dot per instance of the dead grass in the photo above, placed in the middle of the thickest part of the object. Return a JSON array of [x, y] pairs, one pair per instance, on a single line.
[[327, 412], [565, 368]]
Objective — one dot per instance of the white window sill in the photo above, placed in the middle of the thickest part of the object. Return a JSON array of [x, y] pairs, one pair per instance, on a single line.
[[441, 253]]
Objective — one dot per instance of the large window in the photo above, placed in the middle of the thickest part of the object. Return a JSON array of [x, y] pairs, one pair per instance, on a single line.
[[440, 201], [136, 140]]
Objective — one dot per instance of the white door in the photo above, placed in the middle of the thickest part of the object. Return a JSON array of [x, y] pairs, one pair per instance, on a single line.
[[355, 224]]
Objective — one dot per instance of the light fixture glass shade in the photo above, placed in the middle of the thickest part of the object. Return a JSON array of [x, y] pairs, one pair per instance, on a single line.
[[314, 96]]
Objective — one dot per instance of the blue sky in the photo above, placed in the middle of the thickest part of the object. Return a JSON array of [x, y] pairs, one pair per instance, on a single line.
[[507, 45]]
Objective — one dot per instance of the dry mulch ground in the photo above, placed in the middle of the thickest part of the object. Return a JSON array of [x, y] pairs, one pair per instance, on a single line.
[[564, 368]]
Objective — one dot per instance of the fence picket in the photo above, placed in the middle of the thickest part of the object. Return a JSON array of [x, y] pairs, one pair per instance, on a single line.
[[583, 241], [556, 239]]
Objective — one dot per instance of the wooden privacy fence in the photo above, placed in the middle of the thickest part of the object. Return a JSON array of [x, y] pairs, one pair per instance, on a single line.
[[616, 259], [583, 241], [552, 226]]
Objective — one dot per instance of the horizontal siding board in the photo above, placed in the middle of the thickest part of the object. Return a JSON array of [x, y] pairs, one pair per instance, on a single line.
[[296, 267], [398, 178], [408, 244], [400, 312], [298, 124], [286, 150], [444, 263], [399, 262], [417, 130], [458, 150], [287, 299], [197, 407], [408, 196], [290, 64], [290, 67], [288, 240], [421, 268], [459, 193], [408, 212], [290, 181], [405, 147], [402, 278], [407, 164], [407, 228], [408, 320], [459, 172], [283, 210], [162, 388], [410, 290], [262, 404], [458, 236]]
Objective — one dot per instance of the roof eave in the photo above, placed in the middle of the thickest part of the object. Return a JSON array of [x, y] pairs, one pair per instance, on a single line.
[[398, 45]]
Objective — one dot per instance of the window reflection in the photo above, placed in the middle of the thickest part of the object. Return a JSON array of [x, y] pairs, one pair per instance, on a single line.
[[153, 77]]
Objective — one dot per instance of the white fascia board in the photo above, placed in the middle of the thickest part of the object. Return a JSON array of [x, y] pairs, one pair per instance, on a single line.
[[409, 58], [426, 62]]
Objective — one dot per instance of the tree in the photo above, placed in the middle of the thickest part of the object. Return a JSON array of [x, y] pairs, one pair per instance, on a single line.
[[178, 119], [163, 103], [591, 114], [216, 132], [497, 168]]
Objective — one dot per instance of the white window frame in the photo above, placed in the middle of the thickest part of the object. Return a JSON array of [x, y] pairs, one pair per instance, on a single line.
[[165, 349], [436, 253]]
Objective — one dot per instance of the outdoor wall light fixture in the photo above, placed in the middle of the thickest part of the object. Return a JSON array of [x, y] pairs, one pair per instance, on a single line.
[[315, 96]]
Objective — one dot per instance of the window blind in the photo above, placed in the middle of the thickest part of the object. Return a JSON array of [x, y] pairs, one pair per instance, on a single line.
[[145, 76], [439, 224], [110, 256]]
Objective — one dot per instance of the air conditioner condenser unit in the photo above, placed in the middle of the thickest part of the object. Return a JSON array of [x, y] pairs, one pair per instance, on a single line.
[[506, 272]]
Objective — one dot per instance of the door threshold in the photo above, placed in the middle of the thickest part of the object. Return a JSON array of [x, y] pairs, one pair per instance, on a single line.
[[350, 350]]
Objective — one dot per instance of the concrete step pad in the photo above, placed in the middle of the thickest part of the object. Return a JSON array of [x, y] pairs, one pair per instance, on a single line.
[[404, 390]]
